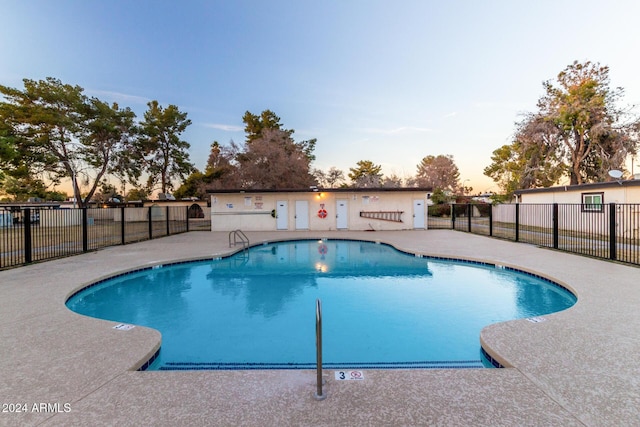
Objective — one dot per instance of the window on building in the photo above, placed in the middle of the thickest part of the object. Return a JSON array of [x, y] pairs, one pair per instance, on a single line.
[[592, 202]]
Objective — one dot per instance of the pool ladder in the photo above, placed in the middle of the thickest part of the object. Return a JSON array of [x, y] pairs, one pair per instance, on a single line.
[[239, 237], [318, 394]]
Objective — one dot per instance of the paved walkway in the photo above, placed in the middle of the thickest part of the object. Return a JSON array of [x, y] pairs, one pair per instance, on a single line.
[[580, 367]]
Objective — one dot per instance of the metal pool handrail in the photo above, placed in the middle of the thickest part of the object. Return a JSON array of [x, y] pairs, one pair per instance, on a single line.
[[319, 395], [239, 235]]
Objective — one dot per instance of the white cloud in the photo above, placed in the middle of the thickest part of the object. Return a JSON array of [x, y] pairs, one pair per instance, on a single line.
[[226, 128], [451, 114], [118, 97]]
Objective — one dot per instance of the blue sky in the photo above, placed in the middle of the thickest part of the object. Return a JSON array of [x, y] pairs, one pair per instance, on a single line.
[[386, 81]]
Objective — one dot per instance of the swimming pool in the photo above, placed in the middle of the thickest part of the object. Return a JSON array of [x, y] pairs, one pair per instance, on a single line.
[[381, 308]]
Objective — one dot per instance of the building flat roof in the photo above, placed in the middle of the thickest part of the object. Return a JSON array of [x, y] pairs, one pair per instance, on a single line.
[[323, 190]]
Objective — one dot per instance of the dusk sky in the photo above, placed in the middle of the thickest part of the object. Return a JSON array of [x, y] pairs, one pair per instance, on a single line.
[[386, 81]]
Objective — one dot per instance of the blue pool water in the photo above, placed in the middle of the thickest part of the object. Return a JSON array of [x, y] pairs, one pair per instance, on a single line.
[[381, 307]]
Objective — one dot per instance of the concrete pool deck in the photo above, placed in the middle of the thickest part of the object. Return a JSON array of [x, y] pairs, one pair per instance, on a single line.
[[579, 367]]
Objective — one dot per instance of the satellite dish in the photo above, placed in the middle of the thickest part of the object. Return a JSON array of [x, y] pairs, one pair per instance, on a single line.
[[616, 174]]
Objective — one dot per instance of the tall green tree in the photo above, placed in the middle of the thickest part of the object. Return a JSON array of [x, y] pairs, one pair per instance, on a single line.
[[365, 174], [255, 125], [193, 186], [10, 161], [60, 133], [163, 153], [38, 124], [107, 144], [9, 152], [506, 168]]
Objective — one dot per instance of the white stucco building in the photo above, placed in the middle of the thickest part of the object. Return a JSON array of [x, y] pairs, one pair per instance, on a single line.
[[597, 193], [320, 209]]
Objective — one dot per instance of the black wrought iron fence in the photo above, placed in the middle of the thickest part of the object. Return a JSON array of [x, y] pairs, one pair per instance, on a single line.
[[610, 231], [32, 234]]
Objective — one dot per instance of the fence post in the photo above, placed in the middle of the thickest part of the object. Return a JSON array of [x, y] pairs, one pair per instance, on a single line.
[[122, 237], [517, 222], [453, 215], [28, 257], [491, 220], [85, 245], [187, 218], [167, 216], [555, 226], [150, 223], [612, 232], [469, 217]]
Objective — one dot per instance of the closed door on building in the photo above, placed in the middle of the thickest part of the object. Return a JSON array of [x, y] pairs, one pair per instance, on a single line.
[[342, 214], [282, 215], [302, 215], [418, 214]]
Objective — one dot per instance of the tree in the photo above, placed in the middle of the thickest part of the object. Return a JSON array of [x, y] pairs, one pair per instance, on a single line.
[[392, 181], [137, 194], [319, 177], [330, 179], [586, 121], [506, 168], [439, 197], [273, 161], [193, 186], [22, 188], [220, 172], [164, 155], [410, 181], [9, 153], [107, 192], [38, 126], [578, 130], [222, 169], [366, 174], [530, 161], [255, 125], [216, 159], [335, 177], [60, 133], [438, 172], [269, 158], [106, 144]]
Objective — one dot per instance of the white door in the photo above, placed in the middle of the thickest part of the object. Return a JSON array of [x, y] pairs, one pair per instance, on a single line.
[[418, 213], [341, 214], [302, 215], [282, 215]]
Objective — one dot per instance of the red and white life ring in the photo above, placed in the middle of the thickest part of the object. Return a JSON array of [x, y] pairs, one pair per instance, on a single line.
[[323, 249], [322, 213]]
